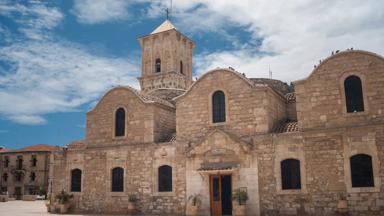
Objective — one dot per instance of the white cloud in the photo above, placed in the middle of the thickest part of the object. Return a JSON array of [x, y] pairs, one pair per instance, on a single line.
[[49, 76], [56, 77], [98, 11], [45, 76], [295, 34], [35, 18], [28, 119]]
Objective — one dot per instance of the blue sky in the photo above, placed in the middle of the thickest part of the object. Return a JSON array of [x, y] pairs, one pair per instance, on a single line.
[[57, 58]]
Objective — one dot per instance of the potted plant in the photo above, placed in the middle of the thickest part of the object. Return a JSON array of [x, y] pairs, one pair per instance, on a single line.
[[195, 204], [240, 197], [342, 204], [63, 199], [132, 199]]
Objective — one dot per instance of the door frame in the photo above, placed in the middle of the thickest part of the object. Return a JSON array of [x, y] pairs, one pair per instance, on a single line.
[[212, 206]]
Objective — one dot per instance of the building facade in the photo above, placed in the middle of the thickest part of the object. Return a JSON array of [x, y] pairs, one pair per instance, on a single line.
[[296, 150], [25, 171]]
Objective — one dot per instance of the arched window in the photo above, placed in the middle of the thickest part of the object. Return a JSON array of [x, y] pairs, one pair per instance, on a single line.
[[34, 160], [181, 67], [290, 174], [76, 180], [353, 94], [32, 177], [361, 171], [117, 179], [158, 65], [165, 178], [19, 162], [218, 107], [6, 162], [5, 177], [120, 122]]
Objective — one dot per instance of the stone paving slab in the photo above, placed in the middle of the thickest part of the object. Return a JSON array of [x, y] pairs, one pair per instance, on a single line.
[[25, 208], [32, 208]]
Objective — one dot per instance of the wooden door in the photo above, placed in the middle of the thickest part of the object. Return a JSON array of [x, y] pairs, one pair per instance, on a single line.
[[215, 194]]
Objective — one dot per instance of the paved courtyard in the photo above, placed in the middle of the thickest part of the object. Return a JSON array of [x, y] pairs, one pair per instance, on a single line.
[[29, 208], [24, 208]]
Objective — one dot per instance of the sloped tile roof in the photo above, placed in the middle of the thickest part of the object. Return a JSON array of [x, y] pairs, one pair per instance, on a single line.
[[168, 138], [291, 97], [286, 127], [218, 166], [76, 145], [167, 94], [149, 98], [279, 86], [35, 148]]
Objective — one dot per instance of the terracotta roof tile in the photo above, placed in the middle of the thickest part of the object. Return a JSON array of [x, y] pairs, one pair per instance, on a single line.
[[169, 138], [149, 98], [76, 145], [167, 94], [277, 85], [291, 97], [35, 148], [218, 166], [286, 127]]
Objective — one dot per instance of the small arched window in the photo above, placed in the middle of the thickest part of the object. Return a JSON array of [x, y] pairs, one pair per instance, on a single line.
[[218, 107], [158, 65], [361, 171], [6, 161], [165, 178], [5, 177], [19, 162], [120, 122], [117, 179], [353, 94], [34, 160], [290, 174], [181, 67], [32, 177], [76, 180]]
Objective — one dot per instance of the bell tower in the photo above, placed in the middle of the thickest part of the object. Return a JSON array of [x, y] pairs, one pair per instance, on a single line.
[[166, 59]]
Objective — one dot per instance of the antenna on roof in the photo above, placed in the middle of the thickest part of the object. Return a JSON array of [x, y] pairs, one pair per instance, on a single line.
[[169, 12], [270, 72]]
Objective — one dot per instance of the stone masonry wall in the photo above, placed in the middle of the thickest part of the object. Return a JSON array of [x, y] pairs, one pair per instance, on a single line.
[[139, 119], [320, 98], [276, 109], [164, 124], [139, 162], [291, 111], [170, 47], [325, 171], [246, 111]]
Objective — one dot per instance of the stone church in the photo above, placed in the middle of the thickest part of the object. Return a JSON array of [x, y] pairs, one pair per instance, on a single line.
[[295, 149]]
